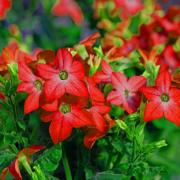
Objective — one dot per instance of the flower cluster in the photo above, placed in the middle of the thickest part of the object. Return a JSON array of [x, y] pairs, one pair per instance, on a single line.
[[67, 97]]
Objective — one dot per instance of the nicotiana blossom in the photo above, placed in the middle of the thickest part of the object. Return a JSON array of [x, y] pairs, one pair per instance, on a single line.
[[125, 91], [31, 84], [64, 116], [163, 99], [104, 76], [68, 8], [65, 76]]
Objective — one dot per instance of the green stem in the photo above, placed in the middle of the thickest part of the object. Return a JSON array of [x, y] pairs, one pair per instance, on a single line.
[[15, 115], [66, 165]]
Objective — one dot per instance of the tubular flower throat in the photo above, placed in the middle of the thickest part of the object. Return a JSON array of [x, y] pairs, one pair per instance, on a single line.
[[65, 108], [63, 75]]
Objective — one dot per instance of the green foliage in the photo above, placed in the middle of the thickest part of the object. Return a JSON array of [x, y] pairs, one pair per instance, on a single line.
[[49, 160], [109, 175], [6, 156], [125, 152], [116, 111], [151, 72]]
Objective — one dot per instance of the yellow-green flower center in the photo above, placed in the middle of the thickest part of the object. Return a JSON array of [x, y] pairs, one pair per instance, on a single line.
[[63, 75], [65, 108], [126, 93], [164, 97], [38, 85]]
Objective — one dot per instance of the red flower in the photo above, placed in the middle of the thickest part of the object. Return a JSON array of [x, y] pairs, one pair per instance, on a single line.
[[126, 91], [14, 166], [129, 7], [64, 117], [90, 40], [92, 133], [32, 85], [170, 58], [68, 8], [169, 25], [11, 53], [96, 106], [164, 100], [105, 75], [65, 76], [4, 6]]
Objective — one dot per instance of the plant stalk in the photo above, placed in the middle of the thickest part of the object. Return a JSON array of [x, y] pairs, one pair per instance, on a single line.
[[66, 165]]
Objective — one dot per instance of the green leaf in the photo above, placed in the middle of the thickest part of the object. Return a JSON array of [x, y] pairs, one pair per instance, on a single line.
[[106, 175], [116, 112], [139, 134], [49, 160], [149, 148], [38, 174], [6, 156], [122, 124], [163, 123], [117, 144], [151, 72], [135, 23], [81, 49], [107, 89]]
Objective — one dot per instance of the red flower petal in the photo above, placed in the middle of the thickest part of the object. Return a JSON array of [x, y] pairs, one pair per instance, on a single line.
[[78, 118], [54, 89], [136, 82], [77, 69], [47, 116], [46, 71], [99, 121], [25, 74], [50, 106], [76, 87], [132, 103], [119, 81], [29, 151], [163, 81], [150, 93], [105, 74], [100, 77], [153, 111], [89, 41], [95, 94], [5, 5], [14, 170], [59, 129], [115, 97], [68, 7], [106, 68], [32, 102], [92, 134], [173, 113], [174, 94], [101, 108], [64, 59], [26, 87]]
